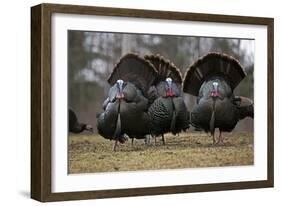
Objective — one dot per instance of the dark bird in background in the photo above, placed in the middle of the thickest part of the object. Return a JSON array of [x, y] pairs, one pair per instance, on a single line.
[[213, 78], [245, 106], [74, 126], [167, 111], [125, 109]]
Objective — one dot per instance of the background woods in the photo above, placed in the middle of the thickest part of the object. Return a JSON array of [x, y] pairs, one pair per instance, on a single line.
[[92, 56]]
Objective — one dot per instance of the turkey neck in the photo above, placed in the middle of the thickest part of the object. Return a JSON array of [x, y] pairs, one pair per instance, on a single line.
[[212, 120]]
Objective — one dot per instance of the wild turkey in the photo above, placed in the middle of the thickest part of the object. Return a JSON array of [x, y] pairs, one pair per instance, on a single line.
[[74, 126], [167, 112], [245, 107], [212, 78], [125, 109]]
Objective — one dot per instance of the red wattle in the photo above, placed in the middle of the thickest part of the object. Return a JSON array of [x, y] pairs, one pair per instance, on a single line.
[[214, 94], [120, 95], [170, 93]]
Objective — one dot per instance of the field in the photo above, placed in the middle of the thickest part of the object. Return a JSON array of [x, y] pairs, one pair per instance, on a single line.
[[92, 153]]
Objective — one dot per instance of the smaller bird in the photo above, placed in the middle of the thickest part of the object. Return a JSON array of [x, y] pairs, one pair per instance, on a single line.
[[245, 107], [76, 127]]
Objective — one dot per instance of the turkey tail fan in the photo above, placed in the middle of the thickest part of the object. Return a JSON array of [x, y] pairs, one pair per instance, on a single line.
[[134, 69], [210, 65], [245, 106], [165, 69]]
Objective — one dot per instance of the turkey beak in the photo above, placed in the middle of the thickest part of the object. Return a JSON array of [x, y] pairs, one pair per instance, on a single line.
[[120, 93]]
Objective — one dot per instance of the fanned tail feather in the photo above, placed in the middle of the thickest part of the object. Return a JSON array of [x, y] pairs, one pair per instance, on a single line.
[[210, 65], [165, 69], [134, 69]]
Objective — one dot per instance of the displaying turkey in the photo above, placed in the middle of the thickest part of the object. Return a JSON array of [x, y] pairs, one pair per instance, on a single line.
[[125, 109], [74, 126], [167, 112], [213, 78]]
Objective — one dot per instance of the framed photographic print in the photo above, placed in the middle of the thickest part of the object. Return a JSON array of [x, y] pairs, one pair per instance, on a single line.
[[130, 102]]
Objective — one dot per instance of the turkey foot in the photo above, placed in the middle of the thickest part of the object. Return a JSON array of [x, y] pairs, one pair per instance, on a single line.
[[220, 140], [147, 140]]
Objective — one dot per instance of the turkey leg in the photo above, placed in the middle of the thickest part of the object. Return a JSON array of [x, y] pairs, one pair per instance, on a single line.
[[115, 145], [220, 138], [163, 139], [214, 139]]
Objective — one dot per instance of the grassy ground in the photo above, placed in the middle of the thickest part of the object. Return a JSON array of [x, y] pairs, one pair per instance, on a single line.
[[88, 154]]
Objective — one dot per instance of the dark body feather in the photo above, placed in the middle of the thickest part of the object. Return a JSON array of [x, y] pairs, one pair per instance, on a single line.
[[168, 115]]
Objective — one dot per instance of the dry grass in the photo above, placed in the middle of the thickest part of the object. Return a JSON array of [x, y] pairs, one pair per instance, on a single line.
[[89, 154]]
